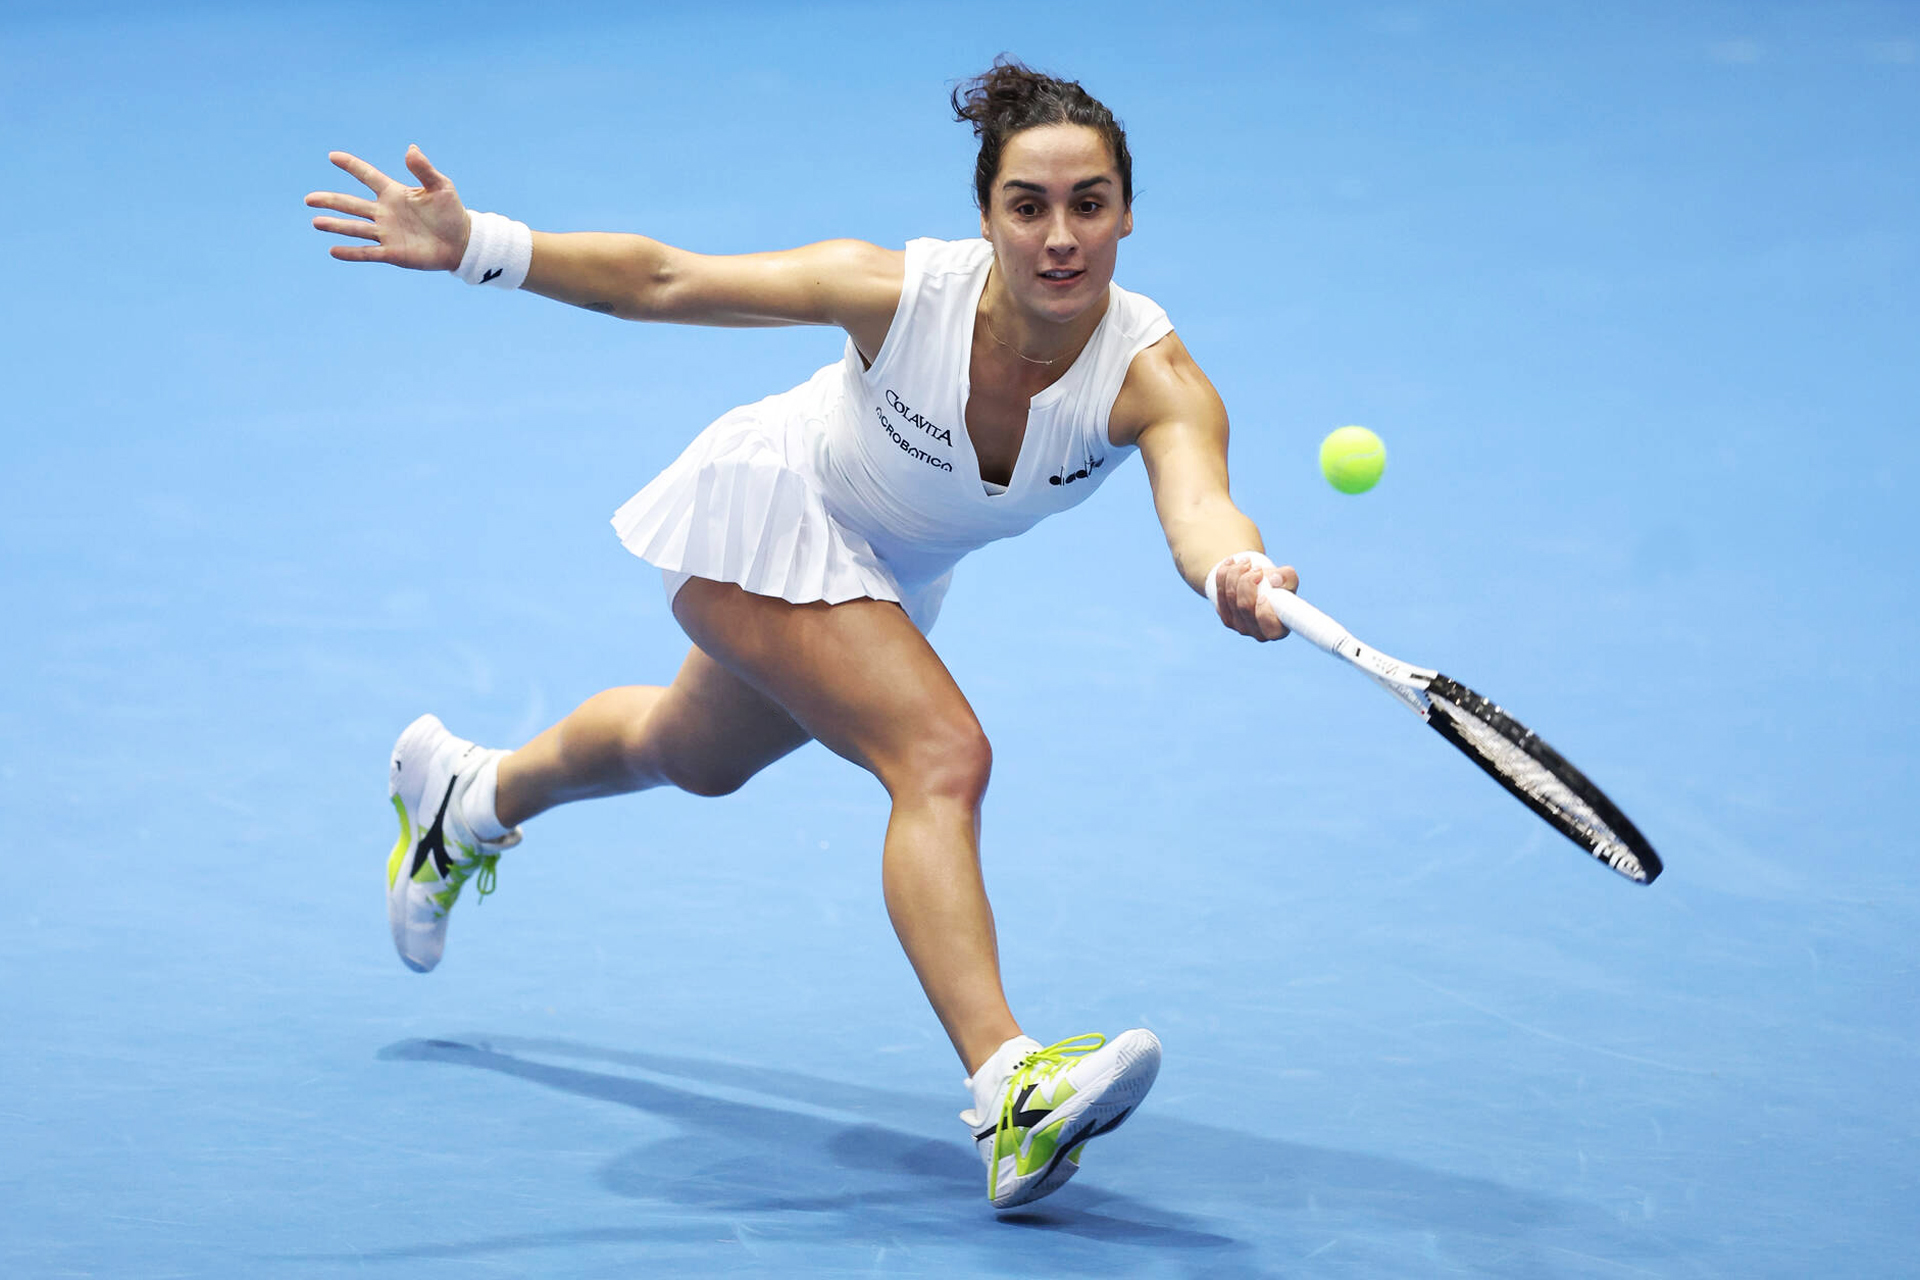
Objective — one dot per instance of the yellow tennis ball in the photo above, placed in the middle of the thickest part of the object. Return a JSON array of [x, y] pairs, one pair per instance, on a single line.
[[1352, 459]]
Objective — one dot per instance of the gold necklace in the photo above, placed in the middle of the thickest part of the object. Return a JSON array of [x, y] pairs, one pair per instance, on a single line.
[[988, 321]]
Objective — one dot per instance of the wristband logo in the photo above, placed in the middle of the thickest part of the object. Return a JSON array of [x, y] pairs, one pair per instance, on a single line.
[[488, 277]]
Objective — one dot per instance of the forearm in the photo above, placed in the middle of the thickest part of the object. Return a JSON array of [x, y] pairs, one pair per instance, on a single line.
[[1203, 534], [620, 275]]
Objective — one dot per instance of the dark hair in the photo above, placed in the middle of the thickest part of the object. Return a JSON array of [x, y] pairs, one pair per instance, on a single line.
[[1010, 96]]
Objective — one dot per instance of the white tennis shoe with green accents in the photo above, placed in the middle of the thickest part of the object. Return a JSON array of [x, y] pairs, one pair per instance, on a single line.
[[1054, 1100], [436, 854]]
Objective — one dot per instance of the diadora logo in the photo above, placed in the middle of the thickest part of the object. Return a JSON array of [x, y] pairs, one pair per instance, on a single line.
[[1093, 464], [490, 275], [433, 844]]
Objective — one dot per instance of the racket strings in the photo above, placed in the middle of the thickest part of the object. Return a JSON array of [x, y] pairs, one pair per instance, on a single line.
[[1535, 773]]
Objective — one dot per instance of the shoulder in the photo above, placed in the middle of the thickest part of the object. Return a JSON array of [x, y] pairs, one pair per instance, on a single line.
[[857, 262], [932, 257], [931, 276], [1164, 384], [859, 285], [1138, 317]]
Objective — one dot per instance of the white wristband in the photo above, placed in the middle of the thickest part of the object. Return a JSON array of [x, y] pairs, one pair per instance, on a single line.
[[499, 251], [1239, 557]]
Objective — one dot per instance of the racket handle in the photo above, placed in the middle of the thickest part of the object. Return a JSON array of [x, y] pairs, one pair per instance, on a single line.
[[1305, 621]]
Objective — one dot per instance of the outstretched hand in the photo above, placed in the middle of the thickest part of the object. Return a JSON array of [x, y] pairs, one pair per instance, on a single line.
[[422, 228], [1240, 601]]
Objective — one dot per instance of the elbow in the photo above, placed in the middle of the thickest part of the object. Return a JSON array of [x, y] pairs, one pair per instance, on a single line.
[[645, 288]]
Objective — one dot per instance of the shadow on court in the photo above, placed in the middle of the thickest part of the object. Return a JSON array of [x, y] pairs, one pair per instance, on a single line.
[[808, 1158]]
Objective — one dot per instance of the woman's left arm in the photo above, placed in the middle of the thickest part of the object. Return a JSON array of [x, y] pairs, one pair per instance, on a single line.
[[1170, 410]]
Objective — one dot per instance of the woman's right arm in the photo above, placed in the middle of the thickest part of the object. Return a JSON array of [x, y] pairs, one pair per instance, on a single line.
[[846, 283], [837, 282]]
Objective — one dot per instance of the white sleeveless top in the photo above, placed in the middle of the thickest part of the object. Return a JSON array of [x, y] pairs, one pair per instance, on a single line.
[[863, 481]]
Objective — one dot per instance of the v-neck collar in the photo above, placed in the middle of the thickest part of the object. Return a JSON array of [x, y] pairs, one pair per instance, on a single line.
[[1043, 399]]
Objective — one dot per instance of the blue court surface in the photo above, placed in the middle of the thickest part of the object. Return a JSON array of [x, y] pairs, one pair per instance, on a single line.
[[1630, 292]]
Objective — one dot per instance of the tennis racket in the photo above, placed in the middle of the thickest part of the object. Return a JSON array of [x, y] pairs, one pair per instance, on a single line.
[[1511, 753]]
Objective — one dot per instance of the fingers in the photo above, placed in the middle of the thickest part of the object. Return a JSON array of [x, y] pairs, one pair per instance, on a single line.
[[1217, 588], [1245, 606], [1266, 619], [359, 252], [347, 227], [1246, 591], [1226, 593], [422, 168], [376, 181], [1239, 594], [340, 203], [1282, 578]]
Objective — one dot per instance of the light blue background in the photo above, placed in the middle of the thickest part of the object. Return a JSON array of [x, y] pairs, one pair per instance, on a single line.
[[1630, 292]]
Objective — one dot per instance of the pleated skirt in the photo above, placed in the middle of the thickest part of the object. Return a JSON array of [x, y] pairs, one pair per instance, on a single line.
[[743, 504]]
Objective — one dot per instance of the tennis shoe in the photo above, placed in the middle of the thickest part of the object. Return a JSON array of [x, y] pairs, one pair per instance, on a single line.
[[436, 854], [1055, 1100]]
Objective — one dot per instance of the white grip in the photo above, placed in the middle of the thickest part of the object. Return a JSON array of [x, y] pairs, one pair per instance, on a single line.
[[1305, 621], [1403, 680]]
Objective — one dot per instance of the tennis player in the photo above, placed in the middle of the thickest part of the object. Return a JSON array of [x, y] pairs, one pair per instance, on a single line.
[[807, 541]]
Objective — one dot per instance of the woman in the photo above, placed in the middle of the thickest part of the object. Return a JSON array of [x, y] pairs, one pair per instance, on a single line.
[[807, 541]]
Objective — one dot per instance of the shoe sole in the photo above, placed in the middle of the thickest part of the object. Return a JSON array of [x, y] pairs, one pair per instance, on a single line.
[[1119, 1090], [406, 808]]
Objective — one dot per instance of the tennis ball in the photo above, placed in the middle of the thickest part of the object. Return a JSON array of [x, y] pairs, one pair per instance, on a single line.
[[1352, 459]]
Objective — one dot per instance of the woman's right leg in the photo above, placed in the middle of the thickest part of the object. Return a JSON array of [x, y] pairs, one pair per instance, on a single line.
[[706, 733]]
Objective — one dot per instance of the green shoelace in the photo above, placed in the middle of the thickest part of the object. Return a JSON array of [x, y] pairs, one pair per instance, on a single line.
[[488, 872], [482, 868], [1033, 1068]]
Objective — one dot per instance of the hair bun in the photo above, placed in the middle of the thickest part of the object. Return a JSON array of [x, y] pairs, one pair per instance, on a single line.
[[1010, 96]]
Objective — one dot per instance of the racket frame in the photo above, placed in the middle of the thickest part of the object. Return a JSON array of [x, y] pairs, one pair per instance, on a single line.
[[1415, 688]]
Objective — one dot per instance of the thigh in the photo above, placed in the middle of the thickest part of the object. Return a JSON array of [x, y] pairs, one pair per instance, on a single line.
[[723, 730], [858, 676]]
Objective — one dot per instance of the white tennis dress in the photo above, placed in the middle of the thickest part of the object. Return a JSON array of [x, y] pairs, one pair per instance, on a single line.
[[862, 482]]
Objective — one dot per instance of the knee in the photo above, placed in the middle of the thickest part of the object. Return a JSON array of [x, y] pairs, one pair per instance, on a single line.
[[949, 762]]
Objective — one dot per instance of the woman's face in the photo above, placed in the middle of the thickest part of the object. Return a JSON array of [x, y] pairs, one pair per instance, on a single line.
[[1056, 219]]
